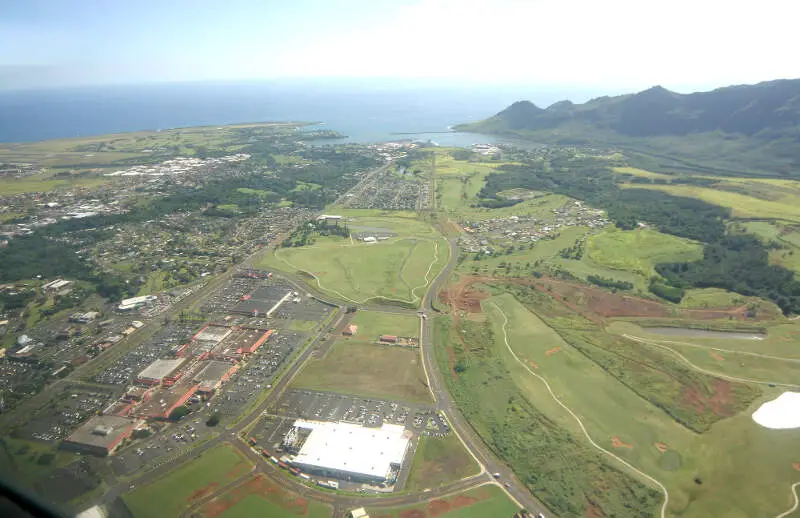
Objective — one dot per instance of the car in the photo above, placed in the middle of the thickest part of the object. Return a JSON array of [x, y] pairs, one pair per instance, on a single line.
[[496, 475]]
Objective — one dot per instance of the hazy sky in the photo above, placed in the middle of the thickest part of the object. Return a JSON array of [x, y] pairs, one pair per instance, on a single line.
[[613, 44]]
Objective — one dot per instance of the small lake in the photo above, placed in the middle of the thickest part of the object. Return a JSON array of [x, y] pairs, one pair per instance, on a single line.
[[702, 333]]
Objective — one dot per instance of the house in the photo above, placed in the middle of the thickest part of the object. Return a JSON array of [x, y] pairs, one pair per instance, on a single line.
[[350, 330], [392, 339]]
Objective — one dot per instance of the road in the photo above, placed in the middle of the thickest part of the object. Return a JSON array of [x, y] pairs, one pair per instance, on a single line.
[[341, 503], [444, 402]]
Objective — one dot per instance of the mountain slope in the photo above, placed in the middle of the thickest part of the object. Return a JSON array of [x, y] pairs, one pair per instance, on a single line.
[[761, 121]]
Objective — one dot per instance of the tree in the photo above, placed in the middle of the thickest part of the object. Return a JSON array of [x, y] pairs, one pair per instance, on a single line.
[[179, 413], [213, 420]]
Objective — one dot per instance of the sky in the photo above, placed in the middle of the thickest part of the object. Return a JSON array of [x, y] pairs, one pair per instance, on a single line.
[[613, 45]]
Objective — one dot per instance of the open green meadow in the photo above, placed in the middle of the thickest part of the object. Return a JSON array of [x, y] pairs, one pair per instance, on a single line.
[[260, 496], [254, 505], [104, 151], [372, 324], [397, 269], [639, 401], [640, 250], [781, 205], [174, 492], [367, 370], [439, 460], [48, 182], [482, 502]]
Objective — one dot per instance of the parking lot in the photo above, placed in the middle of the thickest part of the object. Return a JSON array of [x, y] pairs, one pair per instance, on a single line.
[[248, 383], [75, 406], [169, 441], [325, 406], [122, 371], [220, 303]]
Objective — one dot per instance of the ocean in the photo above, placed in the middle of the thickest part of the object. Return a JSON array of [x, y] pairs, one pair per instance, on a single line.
[[364, 111]]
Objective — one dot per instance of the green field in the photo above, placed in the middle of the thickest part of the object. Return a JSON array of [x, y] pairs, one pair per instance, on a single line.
[[786, 237], [372, 324], [174, 492], [784, 206], [482, 502], [367, 370], [254, 505], [439, 460], [398, 269], [260, 496], [640, 250], [46, 183], [627, 408]]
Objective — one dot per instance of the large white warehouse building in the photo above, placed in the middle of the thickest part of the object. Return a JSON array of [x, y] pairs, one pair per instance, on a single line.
[[350, 451]]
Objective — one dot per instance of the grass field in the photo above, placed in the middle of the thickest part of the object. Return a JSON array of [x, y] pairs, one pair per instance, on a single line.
[[482, 502], [372, 324], [103, 150], [773, 232], [640, 250], [253, 505], [743, 468], [259, 496], [398, 269], [522, 261], [783, 206], [711, 298], [171, 494], [369, 371], [439, 460], [46, 183]]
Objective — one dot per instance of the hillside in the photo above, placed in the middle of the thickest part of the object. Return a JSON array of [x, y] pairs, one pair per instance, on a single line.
[[748, 129]]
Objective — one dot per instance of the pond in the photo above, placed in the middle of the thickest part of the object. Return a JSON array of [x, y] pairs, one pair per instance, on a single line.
[[702, 333]]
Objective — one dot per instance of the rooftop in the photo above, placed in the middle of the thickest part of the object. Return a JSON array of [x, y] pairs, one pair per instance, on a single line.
[[103, 431], [160, 369], [352, 447]]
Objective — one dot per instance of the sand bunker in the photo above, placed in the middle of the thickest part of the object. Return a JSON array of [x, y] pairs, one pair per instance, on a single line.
[[781, 413]]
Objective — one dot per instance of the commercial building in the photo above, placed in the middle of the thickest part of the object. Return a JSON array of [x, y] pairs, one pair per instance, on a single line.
[[392, 339], [56, 286], [329, 219], [213, 375], [159, 371], [100, 435], [136, 302], [240, 342], [348, 451]]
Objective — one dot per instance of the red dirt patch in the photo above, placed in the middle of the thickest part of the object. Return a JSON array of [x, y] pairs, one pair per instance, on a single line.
[[437, 507], [661, 447], [552, 351], [716, 356], [261, 486], [616, 442], [461, 296], [796, 465], [720, 401], [534, 365], [412, 513]]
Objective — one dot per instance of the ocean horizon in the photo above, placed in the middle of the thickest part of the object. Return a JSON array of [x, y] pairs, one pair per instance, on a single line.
[[368, 112]]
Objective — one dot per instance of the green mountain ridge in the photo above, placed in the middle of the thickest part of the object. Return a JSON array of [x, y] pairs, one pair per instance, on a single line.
[[745, 129]]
